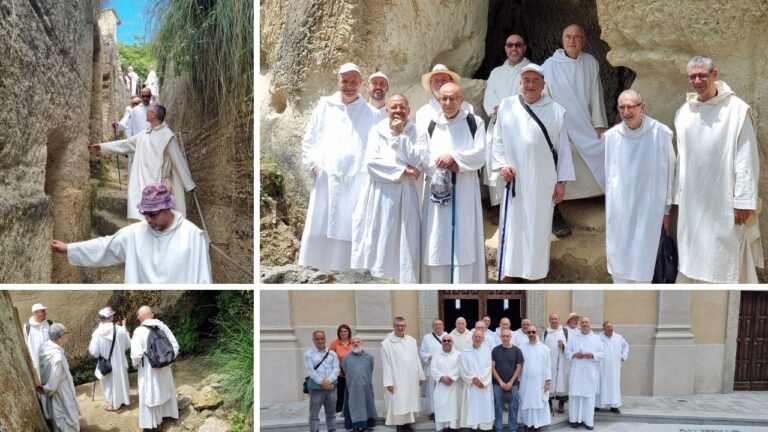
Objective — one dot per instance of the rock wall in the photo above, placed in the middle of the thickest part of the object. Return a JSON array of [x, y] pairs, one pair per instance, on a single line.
[[47, 85], [20, 409], [220, 155]]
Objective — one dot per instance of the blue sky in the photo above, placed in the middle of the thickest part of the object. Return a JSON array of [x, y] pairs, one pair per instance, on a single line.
[[132, 22]]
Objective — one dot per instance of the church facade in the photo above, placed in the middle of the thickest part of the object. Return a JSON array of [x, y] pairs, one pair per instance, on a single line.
[[681, 342]]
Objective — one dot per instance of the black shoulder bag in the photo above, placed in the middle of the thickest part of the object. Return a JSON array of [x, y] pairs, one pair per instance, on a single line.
[[304, 387], [105, 364], [541, 125]]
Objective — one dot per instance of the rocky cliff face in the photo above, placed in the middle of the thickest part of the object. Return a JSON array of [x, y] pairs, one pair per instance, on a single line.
[[46, 85], [20, 409]]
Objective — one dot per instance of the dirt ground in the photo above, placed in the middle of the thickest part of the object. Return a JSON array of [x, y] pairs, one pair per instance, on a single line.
[[93, 418]]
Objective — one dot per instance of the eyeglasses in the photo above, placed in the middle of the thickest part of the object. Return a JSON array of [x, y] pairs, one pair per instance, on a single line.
[[700, 76], [530, 333], [628, 107], [573, 37], [152, 214], [514, 45]]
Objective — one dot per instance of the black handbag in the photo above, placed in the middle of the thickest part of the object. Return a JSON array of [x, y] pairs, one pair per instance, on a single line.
[[105, 364], [665, 271], [305, 385]]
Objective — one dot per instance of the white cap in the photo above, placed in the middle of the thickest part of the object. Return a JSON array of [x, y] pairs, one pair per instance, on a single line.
[[533, 67], [378, 75], [349, 67], [38, 306], [106, 312]]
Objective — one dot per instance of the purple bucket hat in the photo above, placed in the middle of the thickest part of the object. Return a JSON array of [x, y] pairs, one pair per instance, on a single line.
[[155, 197]]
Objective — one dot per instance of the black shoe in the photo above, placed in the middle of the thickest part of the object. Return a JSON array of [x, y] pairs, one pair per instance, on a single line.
[[589, 427], [615, 411], [561, 406], [597, 409], [432, 417], [574, 425], [560, 227]]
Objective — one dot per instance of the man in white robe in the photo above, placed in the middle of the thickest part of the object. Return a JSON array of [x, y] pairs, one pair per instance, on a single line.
[[158, 159], [490, 336], [431, 345], [477, 397], [56, 382], [164, 248], [718, 168], [535, 382], [445, 370], [378, 86], [616, 352], [114, 384], [520, 336], [573, 81], [503, 82], [386, 223], [521, 153], [333, 153], [135, 121], [556, 338], [157, 392], [504, 324], [584, 352], [124, 124], [453, 243], [153, 83], [35, 335], [432, 82], [639, 180], [462, 337], [402, 377], [133, 80]]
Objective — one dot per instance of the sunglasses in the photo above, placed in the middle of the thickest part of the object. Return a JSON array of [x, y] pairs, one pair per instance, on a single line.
[[530, 333], [447, 341]]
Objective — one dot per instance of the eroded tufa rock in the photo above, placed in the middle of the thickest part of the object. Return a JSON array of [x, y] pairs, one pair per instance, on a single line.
[[206, 399]]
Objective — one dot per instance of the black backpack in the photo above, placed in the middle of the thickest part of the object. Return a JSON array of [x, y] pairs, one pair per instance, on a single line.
[[27, 325], [159, 350]]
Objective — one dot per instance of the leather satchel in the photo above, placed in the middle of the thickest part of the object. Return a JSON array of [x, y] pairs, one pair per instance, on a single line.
[[105, 364]]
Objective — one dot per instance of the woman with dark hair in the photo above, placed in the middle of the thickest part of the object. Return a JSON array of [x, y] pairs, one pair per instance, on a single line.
[[341, 346]]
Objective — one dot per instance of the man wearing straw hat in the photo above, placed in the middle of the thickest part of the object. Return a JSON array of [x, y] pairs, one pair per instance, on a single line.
[[431, 82], [164, 248]]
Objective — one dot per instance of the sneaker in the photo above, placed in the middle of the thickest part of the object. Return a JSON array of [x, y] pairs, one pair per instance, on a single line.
[[615, 411], [560, 226]]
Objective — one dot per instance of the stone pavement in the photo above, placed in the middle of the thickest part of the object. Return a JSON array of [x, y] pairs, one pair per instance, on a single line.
[[733, 412]]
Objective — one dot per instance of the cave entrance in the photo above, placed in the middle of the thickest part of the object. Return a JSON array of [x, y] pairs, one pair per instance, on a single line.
[[541, 23]]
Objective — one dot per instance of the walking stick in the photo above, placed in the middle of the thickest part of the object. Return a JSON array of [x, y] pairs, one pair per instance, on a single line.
[[557, 372], [93, 394], [503, 232], [453, 221], [117, 158]]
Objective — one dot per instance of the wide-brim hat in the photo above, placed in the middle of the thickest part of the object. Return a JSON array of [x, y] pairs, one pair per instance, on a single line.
[[106, 312], [572, 315], [155, 197], [38, 306], [427, 77]]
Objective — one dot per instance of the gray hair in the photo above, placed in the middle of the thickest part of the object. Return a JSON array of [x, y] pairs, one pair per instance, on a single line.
[[56, 331], [398, 319], [159, 110], [461, 319], [632, 92], [702, 61]]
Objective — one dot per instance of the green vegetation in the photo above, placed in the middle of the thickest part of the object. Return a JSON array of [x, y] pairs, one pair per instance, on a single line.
[[211, 43], [140, 56]]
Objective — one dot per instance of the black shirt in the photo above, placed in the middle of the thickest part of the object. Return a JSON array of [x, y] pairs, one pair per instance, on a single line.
[[506, 361]]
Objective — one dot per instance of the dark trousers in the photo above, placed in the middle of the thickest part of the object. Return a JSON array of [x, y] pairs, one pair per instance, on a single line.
[[341, 386]]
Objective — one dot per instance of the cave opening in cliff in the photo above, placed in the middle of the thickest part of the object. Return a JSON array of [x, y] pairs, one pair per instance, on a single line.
[[541, 23]]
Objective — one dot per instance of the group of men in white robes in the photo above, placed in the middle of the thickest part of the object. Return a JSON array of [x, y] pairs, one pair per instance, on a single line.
[[46, 340], [164, 248]]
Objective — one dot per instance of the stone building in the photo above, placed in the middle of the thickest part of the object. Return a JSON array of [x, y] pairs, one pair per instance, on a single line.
[[681, 342]]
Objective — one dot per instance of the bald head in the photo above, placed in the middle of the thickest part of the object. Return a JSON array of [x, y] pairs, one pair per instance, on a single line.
[[145, 313], [450, 97]]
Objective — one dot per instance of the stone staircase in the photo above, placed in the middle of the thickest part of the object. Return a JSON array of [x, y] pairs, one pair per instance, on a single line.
[[578, 258], [108, 214]]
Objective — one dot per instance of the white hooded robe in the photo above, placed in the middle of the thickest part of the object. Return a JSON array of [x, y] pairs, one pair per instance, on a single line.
[[114, 384], [59, 388], [477, 403], [616, 352], [401, 368], [447, 398], [534, 410], [584, 376]]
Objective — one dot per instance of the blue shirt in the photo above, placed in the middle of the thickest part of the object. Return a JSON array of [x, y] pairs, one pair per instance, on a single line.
[[329, 369]]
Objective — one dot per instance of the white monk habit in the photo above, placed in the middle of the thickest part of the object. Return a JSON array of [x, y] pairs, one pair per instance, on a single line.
[[639, 179], [35, 338], [386, 222], [477, 403], [575, 85], [157, 159], [133, 82], [558, 361], [114, 384], [454, 137], [135, 122], [334, 144], [59, 388], [534, 409], [447, 398], [718, 168], [520, 143], [503, 82], [584, 375], [616, 351], [401, 368], [157, 392], [379, 114], [431, 109], [461, 341], [177, 255], [489, 342], [431, 345], [152, 83]]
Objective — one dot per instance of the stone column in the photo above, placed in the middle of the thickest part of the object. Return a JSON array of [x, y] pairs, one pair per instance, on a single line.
[[674, 350], [373, 314], [590, 303], [429, 310], [279, 346], [731, 334], [535, 308]]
